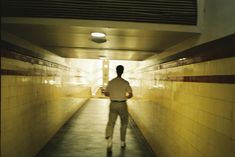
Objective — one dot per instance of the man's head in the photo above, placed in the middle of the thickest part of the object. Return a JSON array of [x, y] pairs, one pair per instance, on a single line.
[[119, 70]]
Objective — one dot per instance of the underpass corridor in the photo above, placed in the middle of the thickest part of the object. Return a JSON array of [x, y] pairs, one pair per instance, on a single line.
[[59, 56]]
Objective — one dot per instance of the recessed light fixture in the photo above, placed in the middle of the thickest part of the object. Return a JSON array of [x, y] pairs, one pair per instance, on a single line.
[[98, 34], [98, 37]]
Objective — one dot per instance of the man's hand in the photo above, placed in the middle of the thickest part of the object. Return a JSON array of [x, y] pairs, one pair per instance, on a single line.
[[102, 90], [106, 93], [129, 95]]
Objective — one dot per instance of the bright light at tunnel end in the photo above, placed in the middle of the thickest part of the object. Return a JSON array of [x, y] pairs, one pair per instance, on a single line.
[[98, 34]]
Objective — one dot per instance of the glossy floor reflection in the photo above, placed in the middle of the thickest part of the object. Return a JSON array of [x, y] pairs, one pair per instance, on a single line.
[[83, 136]]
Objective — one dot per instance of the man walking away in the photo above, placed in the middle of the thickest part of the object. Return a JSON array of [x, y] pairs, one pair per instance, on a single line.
[[119, 91]]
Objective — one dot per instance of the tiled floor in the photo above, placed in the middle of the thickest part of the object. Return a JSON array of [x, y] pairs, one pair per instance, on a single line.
[[83, 136]]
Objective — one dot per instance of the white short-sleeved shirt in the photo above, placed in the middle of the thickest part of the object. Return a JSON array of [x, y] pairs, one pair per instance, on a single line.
[[118, 88]]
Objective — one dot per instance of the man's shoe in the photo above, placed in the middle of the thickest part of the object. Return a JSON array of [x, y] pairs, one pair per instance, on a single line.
[[109, 144], [109, 150], [123, 144]]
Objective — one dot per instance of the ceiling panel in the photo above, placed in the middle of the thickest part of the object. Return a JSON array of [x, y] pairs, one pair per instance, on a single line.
[[150, 11]]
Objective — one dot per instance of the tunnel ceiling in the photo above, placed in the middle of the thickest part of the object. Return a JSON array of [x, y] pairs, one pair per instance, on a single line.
[[131, 26]]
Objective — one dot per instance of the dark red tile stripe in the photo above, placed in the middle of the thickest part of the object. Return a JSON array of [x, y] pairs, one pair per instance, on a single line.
[[206, 79], [27, 73], [230, 79], [217, 49], [14, 52]]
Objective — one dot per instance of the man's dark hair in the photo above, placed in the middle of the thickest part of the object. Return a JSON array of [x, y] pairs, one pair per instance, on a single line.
[[119, 70]]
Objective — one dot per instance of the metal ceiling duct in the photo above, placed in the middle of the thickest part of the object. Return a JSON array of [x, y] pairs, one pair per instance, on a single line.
[[150, 11]]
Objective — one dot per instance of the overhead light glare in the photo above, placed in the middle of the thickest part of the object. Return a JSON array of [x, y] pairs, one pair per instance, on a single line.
[[98, 34], [182, 59]]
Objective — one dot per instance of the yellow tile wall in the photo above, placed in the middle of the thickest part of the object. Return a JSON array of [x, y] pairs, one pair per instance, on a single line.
[[187, 119], [32, 109]]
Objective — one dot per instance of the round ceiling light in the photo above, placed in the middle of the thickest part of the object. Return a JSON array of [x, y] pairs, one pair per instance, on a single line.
[[98, 37], [98, 34]]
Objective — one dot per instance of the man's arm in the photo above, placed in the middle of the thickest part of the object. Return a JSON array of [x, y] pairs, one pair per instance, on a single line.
[[129, 93], [106, 91]]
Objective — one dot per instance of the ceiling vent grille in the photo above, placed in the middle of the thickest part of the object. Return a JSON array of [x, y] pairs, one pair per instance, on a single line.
[[150, 11]]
